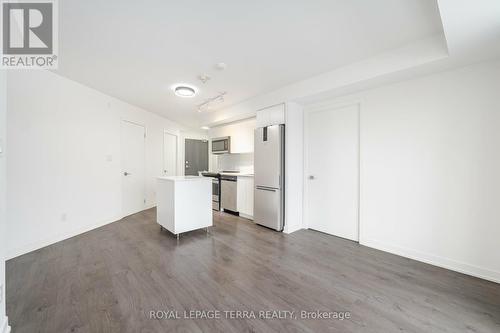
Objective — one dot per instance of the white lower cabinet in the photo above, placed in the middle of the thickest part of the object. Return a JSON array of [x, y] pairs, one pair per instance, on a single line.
[[245, 196]]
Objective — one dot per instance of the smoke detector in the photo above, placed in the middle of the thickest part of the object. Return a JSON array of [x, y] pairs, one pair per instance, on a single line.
[[220, 66]]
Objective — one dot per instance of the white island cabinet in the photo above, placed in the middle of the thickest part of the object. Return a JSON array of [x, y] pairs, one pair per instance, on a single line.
[[184, 203]]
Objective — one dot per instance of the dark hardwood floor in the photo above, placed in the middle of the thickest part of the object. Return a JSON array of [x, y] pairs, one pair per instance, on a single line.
[[111, 278]]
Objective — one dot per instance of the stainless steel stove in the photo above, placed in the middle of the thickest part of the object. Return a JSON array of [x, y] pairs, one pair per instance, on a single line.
[[216, 184]]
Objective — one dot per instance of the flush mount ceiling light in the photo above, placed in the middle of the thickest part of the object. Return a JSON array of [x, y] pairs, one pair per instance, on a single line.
[[184, 91]]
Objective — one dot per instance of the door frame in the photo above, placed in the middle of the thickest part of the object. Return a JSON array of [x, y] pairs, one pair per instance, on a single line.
[[176, 150], [325, 106], [123, 213]]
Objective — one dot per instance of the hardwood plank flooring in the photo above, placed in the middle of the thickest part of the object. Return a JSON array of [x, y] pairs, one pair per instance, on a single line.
[[111, 278]]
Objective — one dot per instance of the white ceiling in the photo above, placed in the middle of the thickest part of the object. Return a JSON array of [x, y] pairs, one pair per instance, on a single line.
[[136, 50]]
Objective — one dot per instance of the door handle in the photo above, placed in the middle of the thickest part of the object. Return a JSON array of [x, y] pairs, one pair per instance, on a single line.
[[126, 173], [265, 189], [311, 177]]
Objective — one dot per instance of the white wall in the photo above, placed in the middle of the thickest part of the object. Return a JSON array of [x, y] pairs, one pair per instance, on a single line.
[[3, 221], [238, 162], [59, 135], [430, 161], [294, 167]]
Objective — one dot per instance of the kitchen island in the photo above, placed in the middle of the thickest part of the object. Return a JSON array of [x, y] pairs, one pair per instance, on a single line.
[[184, 203]]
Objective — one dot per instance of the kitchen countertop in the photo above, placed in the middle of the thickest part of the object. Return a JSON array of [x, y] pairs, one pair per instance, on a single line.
[[237, 174], [184, 178]]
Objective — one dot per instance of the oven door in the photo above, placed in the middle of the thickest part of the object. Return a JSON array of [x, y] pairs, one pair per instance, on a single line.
[[215, 194], [215, 190]]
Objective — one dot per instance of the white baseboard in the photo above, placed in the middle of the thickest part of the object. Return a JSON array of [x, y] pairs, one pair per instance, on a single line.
[[4, 326], [149, 206], [248, 217], [289, 230], [427, 258], [12, 253]]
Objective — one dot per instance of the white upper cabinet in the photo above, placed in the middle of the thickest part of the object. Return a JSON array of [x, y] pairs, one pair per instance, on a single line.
[[273, 115], [241, 134]]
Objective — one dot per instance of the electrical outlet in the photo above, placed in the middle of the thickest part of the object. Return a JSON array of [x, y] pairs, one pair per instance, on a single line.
[[64, 217]]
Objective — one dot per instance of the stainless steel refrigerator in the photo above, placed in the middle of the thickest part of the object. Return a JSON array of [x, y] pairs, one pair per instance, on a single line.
[[269, 170]]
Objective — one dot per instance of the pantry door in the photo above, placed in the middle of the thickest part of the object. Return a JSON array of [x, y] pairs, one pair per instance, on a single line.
[[169, 154], [133, 168], [332, 166]]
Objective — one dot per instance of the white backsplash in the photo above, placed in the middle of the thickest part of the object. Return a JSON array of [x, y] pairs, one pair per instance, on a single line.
[[237, 162]]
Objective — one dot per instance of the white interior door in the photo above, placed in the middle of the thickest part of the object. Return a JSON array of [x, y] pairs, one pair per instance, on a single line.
[[169, 154], [133, 168], [333, 171]]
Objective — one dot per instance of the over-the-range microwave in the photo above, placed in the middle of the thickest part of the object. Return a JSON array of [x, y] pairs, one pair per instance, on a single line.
[[221, 145]]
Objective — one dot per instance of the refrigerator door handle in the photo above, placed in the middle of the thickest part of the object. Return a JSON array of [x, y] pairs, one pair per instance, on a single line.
[[266, 188]]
